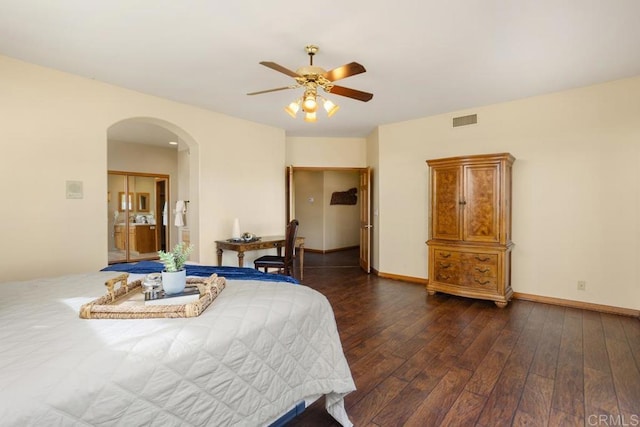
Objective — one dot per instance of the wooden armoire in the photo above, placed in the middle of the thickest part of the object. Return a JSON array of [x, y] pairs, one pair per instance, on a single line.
[[470, 227]]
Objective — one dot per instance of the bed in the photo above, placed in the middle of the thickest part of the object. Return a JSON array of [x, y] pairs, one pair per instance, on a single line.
[[264, 348]]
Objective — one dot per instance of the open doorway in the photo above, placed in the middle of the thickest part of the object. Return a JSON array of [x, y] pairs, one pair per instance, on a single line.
[[333, 207]]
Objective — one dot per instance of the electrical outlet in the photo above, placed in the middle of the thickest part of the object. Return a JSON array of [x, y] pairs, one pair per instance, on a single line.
[[582, 285]]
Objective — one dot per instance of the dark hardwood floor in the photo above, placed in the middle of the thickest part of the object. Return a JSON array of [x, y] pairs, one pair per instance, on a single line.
[[443, 360]]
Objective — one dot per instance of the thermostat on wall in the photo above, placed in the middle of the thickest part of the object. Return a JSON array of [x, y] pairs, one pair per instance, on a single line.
[[74, 190]]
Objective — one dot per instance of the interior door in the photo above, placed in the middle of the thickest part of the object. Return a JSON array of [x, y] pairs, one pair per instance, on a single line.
[[365, 219]]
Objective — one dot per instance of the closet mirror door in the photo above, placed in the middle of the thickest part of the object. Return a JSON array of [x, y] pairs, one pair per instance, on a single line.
[[117, 211], [137, 229]]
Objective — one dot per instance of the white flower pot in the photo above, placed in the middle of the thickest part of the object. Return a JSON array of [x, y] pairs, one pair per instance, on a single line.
[[174, 282]]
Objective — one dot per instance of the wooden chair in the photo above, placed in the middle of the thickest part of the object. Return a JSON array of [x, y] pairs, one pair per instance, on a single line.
[[284, 264]]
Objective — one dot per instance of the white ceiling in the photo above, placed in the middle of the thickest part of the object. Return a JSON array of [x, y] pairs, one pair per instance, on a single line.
[[423, 57]]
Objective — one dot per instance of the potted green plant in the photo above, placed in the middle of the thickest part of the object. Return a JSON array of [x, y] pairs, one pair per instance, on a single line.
[[174, 275]]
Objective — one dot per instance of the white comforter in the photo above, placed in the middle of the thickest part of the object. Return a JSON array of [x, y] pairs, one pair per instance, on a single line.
[[257, 350]]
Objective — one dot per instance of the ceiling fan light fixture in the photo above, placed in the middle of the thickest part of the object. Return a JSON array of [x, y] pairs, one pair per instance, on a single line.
[[330, 107], [309, 104], [292, 109], [312, 78], [310, 117]]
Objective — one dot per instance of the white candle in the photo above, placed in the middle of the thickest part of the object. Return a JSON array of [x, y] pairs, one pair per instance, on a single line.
[[235, 231]]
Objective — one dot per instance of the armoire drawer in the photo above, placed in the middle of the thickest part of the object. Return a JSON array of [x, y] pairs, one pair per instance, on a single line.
[[481, 259], [447, 255], [451, 277], [480, 282]]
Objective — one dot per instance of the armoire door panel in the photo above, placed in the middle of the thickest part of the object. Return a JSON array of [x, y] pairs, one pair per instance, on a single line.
[[446, 206], [481, 197]]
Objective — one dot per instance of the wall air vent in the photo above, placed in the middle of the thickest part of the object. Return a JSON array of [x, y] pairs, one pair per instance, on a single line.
[[465, 120]]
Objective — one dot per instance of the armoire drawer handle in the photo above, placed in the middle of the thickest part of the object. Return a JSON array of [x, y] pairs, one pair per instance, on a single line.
[[443, 277], [443, 265], [481, 282], [483, 270], [445, 255], [482, 259]]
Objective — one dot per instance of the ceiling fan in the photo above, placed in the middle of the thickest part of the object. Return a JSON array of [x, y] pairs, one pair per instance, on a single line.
[[311, 78]]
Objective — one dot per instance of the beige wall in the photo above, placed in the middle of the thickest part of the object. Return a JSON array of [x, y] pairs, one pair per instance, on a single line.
[[326, 152], [55, 129], [149, 159], [342, 222], [309, 207], [576, 189]]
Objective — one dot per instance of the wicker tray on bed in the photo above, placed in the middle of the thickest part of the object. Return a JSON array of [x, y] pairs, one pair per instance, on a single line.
[[127, 302]]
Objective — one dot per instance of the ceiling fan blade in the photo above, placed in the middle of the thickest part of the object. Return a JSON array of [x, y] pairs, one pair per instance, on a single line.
[[280, 68], [344, 71], [351, 93], [273, 90]]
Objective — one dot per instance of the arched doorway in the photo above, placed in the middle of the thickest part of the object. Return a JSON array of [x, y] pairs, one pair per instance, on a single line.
[[150, 165]]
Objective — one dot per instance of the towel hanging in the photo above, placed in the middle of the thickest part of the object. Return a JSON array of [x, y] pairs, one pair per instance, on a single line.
[[180, 211], [165, 215]]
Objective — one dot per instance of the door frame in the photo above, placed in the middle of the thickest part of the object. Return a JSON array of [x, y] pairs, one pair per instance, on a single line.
[[364, 190]]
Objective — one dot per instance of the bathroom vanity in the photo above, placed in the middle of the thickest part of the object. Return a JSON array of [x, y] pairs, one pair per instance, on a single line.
[[142, 237]]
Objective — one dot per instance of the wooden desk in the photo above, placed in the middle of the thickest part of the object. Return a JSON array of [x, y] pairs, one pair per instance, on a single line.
[[266, 242]]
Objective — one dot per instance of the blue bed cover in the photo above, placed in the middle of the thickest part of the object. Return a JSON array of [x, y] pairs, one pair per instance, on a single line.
[[229, 273]]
